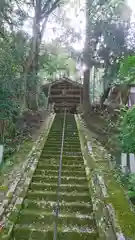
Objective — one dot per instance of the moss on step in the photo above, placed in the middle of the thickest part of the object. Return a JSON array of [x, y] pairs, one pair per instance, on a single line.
[[119, 201], [36, 234], [53, 187], [119, 209], [52, 196], [125, 217], [36, 218]]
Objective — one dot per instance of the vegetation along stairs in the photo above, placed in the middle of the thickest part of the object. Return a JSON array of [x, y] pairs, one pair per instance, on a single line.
[[58, 204]]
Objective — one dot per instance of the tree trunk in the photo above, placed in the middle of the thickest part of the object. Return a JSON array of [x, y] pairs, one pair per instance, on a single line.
[[32, 94], [31, 65], [88, 53], [104, 96], [94, 84], [86, 87]]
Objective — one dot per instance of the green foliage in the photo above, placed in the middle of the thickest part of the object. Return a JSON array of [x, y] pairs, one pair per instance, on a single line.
[[8, 105], [56, 60], [127, 131], [127, 70], [12, 54], [42, 100], [131, 183], [127, 181]]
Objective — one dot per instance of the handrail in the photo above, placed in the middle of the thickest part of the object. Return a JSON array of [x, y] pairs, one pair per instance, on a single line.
[[59, 179]]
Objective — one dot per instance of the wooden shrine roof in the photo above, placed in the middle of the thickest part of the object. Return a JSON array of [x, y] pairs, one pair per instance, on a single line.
[[61, 80]]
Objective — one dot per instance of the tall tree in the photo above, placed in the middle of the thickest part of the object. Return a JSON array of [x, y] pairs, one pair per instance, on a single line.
[[104, 29], [42, 11]]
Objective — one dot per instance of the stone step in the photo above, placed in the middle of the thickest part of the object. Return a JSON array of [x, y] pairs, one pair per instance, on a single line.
[[63, 196], [55, 161], [65, 207], [53, 187], [73, 161], [65, 148], [64, 172], [64, 180], [39, 218], [58, 151], [37, 215], [46, 233], [65, 166], [49, 156]]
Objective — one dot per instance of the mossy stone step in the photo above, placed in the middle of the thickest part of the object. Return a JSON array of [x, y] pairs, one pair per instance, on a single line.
[[63, 196], [57, 152], [25, 233], [64, 180], [66, 173], [54, 148], [56, 156], [65, 207], [46, 172], [52, 152], [73, 173], [72, 150], [66, 148], [63, 187], [39, 218], [47, 166], [53, 164], [74, 137], [73, 161], [53, 141], [75, 144], [55, 136], [49, 146], [72, 147], [56, 166], [46, 156], [69, 138], [49, 157]]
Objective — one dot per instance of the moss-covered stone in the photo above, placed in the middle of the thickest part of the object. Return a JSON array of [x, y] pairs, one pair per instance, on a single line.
[[115, 206]]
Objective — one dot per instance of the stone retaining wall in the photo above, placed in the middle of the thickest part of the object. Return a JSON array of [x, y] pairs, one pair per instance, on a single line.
[[113, 213]]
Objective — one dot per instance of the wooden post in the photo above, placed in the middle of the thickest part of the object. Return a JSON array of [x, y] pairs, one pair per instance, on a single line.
[[132, 162], [47, 102], [1, 153], [124, 162]]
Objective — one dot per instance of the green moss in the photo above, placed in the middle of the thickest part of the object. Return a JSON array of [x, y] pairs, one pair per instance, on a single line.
[[15, 160], [117, 198], [99, 162], [124, 214]]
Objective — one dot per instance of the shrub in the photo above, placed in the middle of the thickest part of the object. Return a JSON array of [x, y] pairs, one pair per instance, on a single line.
[[127, 131]]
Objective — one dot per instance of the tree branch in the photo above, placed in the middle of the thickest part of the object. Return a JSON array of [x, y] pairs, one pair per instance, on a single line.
[[33, 3], [43, 26], [45, 6], [47, 12], [3, 36]]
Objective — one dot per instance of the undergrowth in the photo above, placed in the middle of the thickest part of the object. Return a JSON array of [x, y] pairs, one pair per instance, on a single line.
[[127, 180], [126, 140]]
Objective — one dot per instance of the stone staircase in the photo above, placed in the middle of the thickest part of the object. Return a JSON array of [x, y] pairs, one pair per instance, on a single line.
[[37, 216]]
